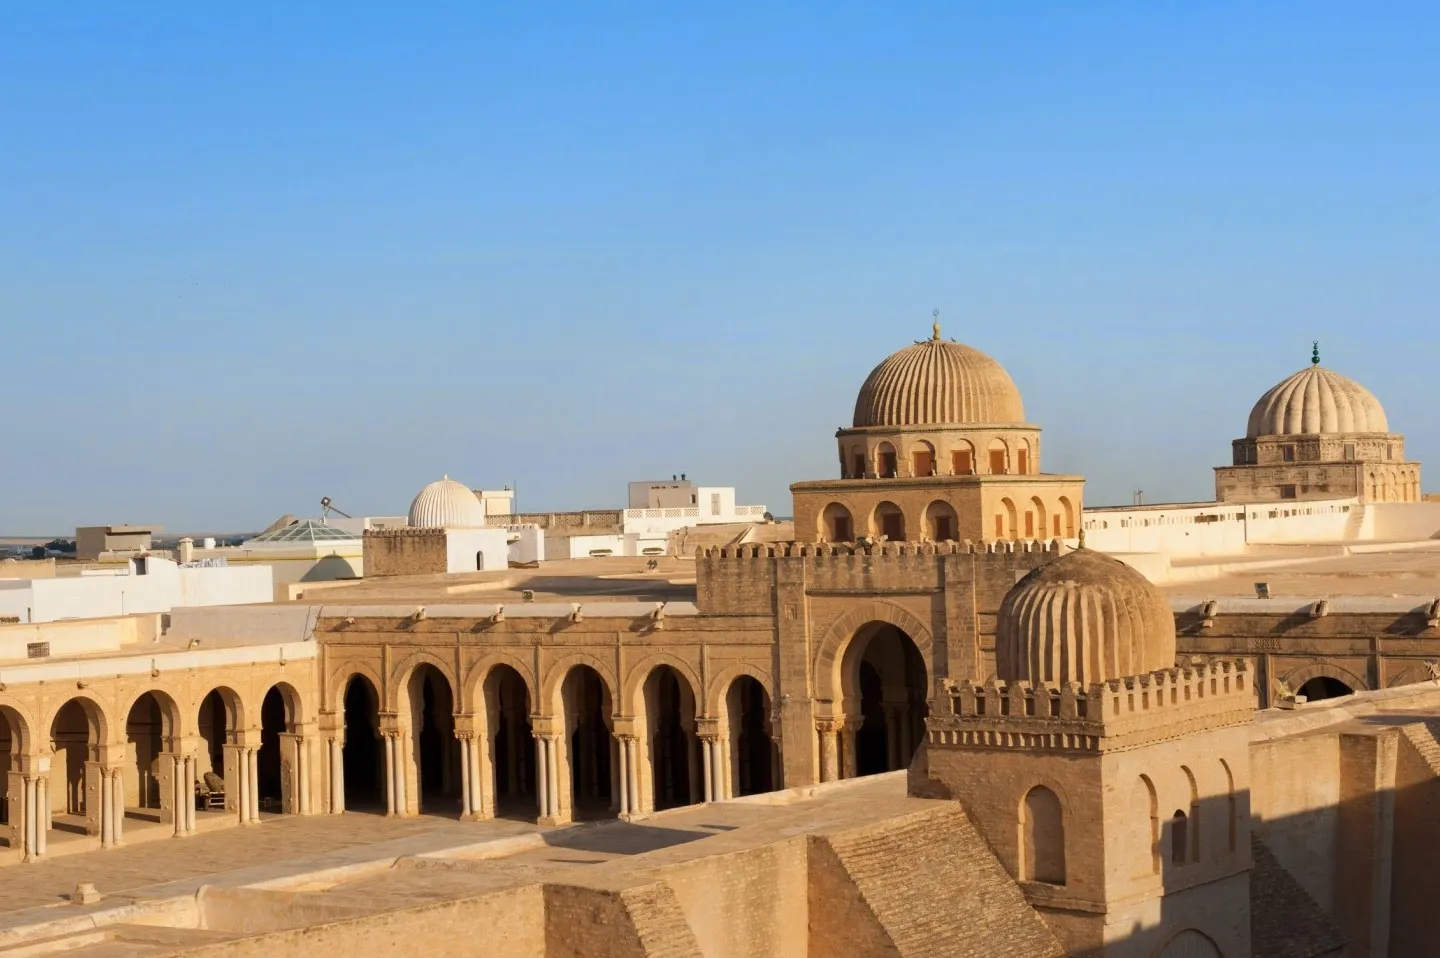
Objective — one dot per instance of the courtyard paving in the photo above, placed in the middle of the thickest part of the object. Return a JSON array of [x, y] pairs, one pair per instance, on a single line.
[[162, 868]]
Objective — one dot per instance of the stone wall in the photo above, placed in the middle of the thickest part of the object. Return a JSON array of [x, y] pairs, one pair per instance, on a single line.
[[1375, 649], [1294, 807], [405, 552], [1375, 481], [922, 885], [752, 904], [1417, 796], [513, 923]]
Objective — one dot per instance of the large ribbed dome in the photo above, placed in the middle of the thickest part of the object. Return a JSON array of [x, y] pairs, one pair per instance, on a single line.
[[1083, 618], [937, 382], [1316, 400], [446, 503]]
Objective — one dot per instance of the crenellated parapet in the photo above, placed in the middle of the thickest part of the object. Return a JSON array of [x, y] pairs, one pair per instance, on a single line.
[[404, 551], [1116, 714], [743, 578], [820, 550], [406, 532]]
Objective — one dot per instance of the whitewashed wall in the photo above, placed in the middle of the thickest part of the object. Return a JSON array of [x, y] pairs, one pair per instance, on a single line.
[[1404, 521], [462, 545], [528, 544], [1220, 529], [164, 586]]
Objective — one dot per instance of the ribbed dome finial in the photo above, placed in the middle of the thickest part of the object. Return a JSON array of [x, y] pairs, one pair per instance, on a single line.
[[1315, 353], [446, 504], [938, 382], [935, 327], [1083, 618], [1316, 401]]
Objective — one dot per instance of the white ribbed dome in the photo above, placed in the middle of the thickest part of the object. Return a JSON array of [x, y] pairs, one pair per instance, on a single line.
[[1315, 401], [1083, 618], [446, 504], [938, 382]]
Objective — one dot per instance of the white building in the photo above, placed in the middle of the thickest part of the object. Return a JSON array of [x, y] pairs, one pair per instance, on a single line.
[[301, 554], [658, 508], [470, 544], [146, 584]]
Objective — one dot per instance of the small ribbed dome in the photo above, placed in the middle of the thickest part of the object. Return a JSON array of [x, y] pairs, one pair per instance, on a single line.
[[1316, 400], [446, 504], [936, 382], [1083, 618]]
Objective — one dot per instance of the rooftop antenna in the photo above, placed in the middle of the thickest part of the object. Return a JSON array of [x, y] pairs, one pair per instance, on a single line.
[[1315, 352], [329, 507]]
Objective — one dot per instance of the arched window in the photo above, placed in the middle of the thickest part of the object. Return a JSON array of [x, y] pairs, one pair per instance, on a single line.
[[1232, 815], [922, 459], [999, 457], [1190, 944], [836, 524], [889, 522], [1179, 838], [1145, 808], [1035, 527], [885, 461], [1192, 824], [942, 523], [962, 460], [1042, 837], [1006, 523]]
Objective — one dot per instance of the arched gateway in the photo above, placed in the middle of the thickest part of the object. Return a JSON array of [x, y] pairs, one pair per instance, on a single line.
[[878, 718]]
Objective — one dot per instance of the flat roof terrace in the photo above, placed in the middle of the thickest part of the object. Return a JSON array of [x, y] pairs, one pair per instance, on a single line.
[[615, 578], [1370, 569]]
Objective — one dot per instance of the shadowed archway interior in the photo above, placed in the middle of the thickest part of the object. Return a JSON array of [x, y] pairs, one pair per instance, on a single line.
[[512, 742], [363, 757], [887, 682]]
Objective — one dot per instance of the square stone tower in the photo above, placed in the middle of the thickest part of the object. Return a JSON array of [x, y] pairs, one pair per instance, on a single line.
[[1114, 791], [1318, 435], [938, 450]]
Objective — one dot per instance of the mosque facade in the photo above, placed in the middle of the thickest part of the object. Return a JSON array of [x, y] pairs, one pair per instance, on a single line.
[[932, 617]]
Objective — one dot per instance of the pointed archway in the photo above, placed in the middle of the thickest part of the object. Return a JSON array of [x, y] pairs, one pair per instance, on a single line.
[[588, 742], [670, 738], [150, 732], [13, 734], [220, 721], [511, 742], [751, 737], [433, 745], [78, 804], [885, 688], [279, 764], [362, 757]]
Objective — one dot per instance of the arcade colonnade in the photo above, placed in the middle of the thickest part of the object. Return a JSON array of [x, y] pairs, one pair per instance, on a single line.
[[580, 743], [576, 745], [179, 752], [216, 746]]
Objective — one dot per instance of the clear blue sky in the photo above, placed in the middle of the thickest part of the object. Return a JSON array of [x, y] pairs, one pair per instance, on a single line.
[[255, 255]]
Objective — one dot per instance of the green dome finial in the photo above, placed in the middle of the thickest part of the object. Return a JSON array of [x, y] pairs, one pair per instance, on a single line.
[[1315, 353]]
